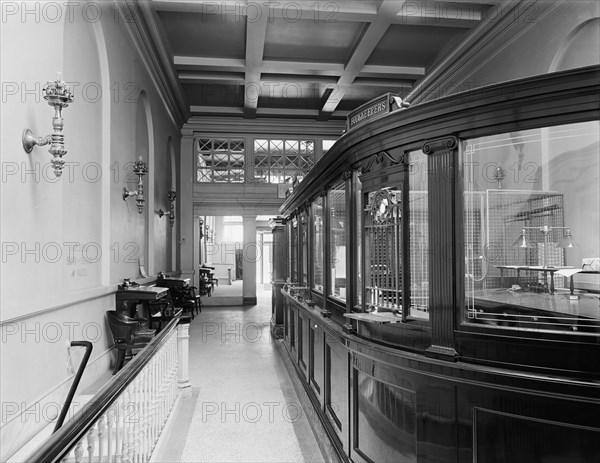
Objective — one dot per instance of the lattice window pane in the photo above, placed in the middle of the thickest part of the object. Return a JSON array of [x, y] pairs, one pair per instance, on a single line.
[[237, 175], [217, 158], [291, 147], [261, 146], [237, 146], [278, 161], [203, 175], [205, 144], [221, 146], [276, 146]]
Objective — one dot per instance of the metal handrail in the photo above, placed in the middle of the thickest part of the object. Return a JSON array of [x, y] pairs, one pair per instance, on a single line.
[[88, 351], [61, 442]]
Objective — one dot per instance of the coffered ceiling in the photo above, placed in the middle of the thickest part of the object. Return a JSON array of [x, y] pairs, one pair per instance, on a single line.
[[301, 59]]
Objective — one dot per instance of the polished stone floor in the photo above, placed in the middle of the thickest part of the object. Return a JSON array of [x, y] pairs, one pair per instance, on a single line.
[[243, 407]]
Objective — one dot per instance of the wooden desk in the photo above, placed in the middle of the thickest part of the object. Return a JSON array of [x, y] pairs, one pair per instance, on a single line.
[[530, 268], [170, 282], [127, 299]]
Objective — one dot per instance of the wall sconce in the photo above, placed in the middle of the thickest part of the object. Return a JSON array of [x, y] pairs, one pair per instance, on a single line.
[[172, 196], [57, 94], [140, 168], [519, 145], [201, 228], [566, 242]]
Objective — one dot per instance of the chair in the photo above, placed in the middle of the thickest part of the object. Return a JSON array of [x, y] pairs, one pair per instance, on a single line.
[[191, 294], [182, 298], [206, 284], [210, 274], [128, 334]]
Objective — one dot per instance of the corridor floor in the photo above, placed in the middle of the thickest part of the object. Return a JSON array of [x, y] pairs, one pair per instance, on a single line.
[[245, 406]]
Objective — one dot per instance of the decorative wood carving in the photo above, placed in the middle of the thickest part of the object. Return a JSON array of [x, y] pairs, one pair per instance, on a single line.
[[379, 158]]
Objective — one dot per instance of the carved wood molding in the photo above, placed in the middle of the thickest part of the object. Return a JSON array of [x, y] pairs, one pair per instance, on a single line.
[[379, 158], [440, 144]]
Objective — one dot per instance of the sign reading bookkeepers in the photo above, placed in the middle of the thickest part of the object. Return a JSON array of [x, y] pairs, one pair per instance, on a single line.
[[373, 109]]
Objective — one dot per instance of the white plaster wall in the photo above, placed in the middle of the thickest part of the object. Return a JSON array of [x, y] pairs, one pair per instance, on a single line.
[[47, 301]]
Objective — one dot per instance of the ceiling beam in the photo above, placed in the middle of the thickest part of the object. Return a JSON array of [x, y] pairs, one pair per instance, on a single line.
[[233, 110], [308, 10], [235, 64], [443, 13], [256, 32], [285, 112], [300, 68], [210, 78], [361, 53]]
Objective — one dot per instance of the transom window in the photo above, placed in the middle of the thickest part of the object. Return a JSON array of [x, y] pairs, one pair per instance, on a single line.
[[279, 161], [220, 160]]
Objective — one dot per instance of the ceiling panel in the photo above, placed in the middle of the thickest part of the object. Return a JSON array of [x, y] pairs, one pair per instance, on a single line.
[[404, 45], [216, 94], [311, 40], [207, 35]]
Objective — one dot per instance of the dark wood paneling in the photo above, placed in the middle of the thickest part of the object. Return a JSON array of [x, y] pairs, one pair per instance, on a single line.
[[441, 165], [512, 395]]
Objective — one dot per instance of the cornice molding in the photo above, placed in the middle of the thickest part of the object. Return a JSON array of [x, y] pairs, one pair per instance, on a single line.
[[484, 43], [138, 22], [268, 126]]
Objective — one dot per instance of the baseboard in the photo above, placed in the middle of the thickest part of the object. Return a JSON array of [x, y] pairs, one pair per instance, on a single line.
[[315, 416], [171, 443]]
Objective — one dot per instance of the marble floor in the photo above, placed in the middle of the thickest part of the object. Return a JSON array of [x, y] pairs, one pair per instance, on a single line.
[[243, 406]]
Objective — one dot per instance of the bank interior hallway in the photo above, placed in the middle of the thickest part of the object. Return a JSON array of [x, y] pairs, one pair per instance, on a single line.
[[243, 406]]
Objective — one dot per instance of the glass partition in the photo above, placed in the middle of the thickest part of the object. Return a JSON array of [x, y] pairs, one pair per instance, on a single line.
[[304, 248], [338, 223], [317, 244], [531, 222], [293, 229], [418, 235], [358, 214]]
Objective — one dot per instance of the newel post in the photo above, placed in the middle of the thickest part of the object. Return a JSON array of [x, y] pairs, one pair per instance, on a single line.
[[183, 355]]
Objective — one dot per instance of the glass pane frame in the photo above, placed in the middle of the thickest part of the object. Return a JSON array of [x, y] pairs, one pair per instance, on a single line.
[[418, 254], [220, 160], [281, 160], [317, 245], [524, 205], [337, 239], [382, 232], [304, 249]]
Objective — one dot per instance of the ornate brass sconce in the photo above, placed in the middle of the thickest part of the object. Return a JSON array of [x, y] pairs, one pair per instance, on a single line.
[[57, 94], [172, 196], [140, 169]]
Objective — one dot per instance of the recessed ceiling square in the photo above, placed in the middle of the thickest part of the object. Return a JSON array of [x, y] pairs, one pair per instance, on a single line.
[[206, 35]]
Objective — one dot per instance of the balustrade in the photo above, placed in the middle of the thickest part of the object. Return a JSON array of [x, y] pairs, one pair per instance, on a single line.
[[124, 420]]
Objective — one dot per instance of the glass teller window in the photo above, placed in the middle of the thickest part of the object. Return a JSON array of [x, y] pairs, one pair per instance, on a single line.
[[383, 282], [531, 225], [304, 248], [317, 244], [418, 235], [338, 222]]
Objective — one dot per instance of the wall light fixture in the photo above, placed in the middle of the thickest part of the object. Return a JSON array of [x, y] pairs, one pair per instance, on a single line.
[[58, 95], [172, 196], [140, 169]]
